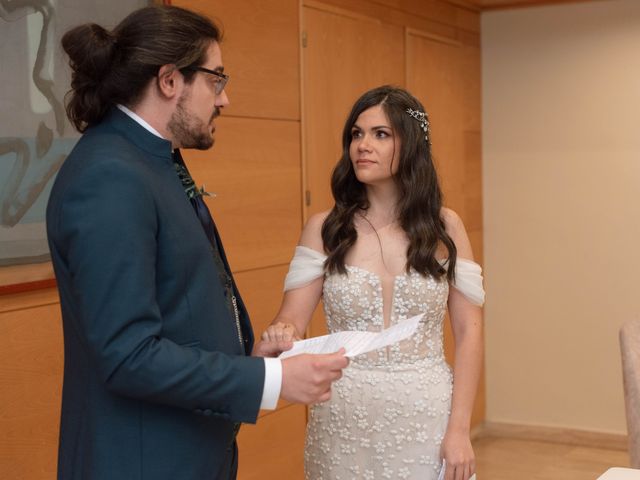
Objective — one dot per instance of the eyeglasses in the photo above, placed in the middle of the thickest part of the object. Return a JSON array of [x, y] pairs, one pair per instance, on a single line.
[[221, 80]]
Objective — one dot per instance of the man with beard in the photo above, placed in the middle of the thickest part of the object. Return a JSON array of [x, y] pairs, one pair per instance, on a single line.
[[160, 366]]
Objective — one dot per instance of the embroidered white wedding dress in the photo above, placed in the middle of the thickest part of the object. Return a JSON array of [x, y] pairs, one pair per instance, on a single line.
[[388, 414]]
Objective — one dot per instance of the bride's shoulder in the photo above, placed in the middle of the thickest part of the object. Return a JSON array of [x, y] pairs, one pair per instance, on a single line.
[[312, 232], [451, 219], [317, 219], [454, 227]]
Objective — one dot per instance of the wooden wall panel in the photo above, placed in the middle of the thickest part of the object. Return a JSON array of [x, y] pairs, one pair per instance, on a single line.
[[446, 77], [11, 275], [472, 181], [438, 17], [31, 363], [437, 10], [468, 20], [260, 50], [371, 54], [434, 77], [505, 4], [254, 169], [471, 125], [273, 448], [262, 294], [471, 66], [28, 299]]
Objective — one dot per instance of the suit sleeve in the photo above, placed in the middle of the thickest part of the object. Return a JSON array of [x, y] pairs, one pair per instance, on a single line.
[[107, 227]]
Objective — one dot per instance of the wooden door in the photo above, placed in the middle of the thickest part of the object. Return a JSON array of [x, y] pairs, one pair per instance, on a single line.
[[345, 55], [445, 76]]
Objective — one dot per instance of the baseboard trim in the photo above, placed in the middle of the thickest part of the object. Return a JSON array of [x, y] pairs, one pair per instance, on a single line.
[[566, 436]]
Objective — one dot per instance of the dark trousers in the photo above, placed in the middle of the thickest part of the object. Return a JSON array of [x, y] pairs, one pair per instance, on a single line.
[[230, 470]]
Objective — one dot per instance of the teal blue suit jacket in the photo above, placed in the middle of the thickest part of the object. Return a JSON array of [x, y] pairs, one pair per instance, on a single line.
[[155, 377]]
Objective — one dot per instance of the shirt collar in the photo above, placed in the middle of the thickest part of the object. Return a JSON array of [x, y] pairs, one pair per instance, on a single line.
[[139, 120], [136, 133]]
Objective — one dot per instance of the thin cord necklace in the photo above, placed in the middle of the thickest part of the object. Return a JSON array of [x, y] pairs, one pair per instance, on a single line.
[[384, 263]]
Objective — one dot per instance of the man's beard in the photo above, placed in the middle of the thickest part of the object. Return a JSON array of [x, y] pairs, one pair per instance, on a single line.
[[189, 131]]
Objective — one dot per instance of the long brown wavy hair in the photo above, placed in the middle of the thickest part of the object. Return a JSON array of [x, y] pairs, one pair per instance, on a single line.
[[114, 67], [420, 197]]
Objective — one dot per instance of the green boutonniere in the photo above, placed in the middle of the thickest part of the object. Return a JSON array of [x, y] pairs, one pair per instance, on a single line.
[[203, 192], [190, 187]]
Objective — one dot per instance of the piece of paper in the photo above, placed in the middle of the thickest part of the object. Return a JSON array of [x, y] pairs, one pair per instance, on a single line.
[[356, 343]]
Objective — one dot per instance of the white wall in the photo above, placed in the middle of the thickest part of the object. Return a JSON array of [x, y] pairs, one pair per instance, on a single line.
[[561, 153]]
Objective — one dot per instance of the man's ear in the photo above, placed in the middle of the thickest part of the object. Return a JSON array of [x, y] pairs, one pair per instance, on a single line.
[[170, 81]]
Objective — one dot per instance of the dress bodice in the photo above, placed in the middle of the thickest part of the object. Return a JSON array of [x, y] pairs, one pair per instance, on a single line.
[[353, 301]]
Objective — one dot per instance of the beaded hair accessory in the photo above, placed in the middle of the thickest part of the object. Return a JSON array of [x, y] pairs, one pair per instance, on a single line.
[[423, 118]]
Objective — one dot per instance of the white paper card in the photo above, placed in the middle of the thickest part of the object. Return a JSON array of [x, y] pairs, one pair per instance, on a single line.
[[355, 343]]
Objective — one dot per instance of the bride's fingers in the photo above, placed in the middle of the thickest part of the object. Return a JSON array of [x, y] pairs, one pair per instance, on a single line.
[[288, 332], [449, 472]]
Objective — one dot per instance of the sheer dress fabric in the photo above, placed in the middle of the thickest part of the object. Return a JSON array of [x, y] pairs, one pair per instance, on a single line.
[[388, 414]]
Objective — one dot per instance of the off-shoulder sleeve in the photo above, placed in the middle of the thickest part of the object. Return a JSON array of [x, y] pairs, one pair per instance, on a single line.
[[306, 265], [469, 281]]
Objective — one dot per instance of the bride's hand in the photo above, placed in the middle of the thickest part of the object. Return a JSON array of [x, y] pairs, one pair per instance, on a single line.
[[456, 449], [280, 332], [276, 339]]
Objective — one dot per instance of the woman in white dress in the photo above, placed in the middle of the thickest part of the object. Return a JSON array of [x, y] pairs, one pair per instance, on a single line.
[[387, 251]]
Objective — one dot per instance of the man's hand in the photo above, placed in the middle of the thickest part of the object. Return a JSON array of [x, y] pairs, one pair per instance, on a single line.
[[307, 378]]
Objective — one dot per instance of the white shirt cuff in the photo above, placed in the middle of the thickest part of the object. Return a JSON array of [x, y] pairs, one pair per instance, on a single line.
[[272, 383]]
